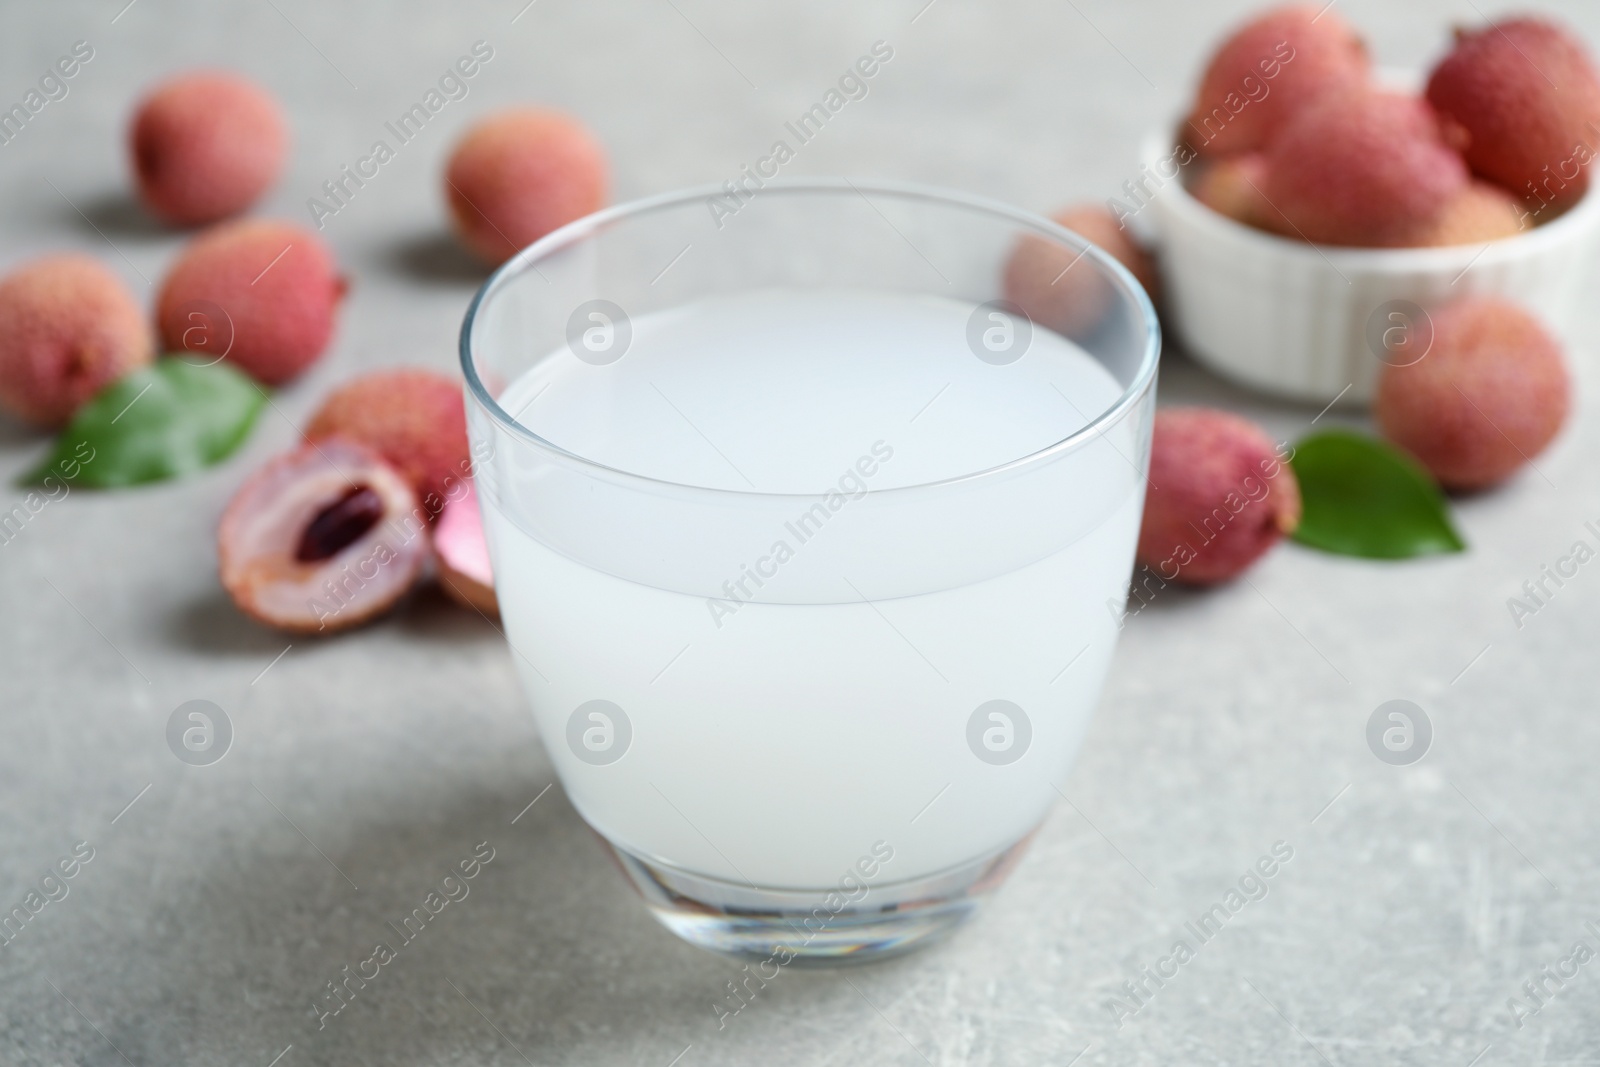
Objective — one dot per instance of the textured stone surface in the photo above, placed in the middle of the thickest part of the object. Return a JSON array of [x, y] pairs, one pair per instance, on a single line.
[[217, 906]]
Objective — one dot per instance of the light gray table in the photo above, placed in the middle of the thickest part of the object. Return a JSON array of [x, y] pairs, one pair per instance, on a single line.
[[219, 900]]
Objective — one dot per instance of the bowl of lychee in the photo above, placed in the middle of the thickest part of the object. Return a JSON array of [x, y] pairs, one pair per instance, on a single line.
[[1310, 213]]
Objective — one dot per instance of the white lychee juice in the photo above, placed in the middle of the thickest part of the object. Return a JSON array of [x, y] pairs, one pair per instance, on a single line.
[[779, 723]]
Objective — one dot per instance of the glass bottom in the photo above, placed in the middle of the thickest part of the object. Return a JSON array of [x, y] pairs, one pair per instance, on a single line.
[[812, 927]]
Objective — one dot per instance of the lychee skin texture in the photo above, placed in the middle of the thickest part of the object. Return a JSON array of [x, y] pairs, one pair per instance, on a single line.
[[1230, 112], [1367, 169], [1073, 303], [1232, 187], [259, 293], [205, 146], [1481, 212], [1489, 395], [415, 419], [360, 570], [520, 174], [461, 553], [68, 327], [1528, 96], [1219, 496]]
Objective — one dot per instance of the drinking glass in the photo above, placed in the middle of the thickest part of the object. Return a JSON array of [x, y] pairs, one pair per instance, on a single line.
[[832, 752]]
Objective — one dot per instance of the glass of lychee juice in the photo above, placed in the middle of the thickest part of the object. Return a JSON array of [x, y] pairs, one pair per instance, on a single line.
[[811, 512]]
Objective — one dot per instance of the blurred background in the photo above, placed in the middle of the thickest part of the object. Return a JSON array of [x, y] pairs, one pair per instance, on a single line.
[[220, 900]]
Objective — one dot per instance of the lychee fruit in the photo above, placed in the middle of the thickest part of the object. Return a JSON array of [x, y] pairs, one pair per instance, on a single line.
[[321, 539], [68, 327], [1489, 395], [261, 294], [205, 146], [1218, 497], [1480, 212], [1046, 280], [520, 174], [461, 553], [1364, 168], [1528, 96], [1232, 186], [415, 419], [1269, 69]]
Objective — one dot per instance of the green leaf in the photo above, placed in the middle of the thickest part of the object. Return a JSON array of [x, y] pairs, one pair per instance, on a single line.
[[1362, 497], [163, 421]]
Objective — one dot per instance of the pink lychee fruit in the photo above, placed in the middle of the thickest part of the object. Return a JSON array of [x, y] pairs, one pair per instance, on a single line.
[[1219, 495], [1232, 186], [68, 328], [261, 294], [461, 553], [1528, 97], [1050, 284], [206, 145], [1480, 212], [414, 418], [1364, 168], [321, 539], [1489, 394], [1267, 71], [520, 174]]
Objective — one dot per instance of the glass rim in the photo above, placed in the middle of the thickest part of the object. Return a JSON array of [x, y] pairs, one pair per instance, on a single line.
[[573, 232]]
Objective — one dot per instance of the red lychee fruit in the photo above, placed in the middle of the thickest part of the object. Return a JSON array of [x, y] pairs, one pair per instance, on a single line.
[[321, 539], [1478, 213], [518, 175], [1490, 393], [68, 327], [1363, 168], [1528, 96], [206, 145], [415, 419], [260, 293], [1219, 496], [1269, 69], [462, 553], [1048, 283]]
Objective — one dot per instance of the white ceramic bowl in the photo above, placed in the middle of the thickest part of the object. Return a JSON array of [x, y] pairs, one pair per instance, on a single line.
[[1292, 318]]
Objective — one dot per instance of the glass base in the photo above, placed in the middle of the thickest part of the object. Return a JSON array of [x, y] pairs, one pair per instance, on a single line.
[[798, 927]]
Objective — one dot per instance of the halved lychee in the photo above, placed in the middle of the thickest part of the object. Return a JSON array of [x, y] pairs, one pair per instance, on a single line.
[[462, 553], [322, 539]]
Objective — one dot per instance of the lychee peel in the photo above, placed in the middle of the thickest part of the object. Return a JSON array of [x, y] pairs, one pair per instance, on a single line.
[[206, 145], [68, 328], [259, 293], [461, 553], [1363, 168], [1490, 394], [520, 174], [1526, 96], [1051, 284], [1220, 494], [1267, 71]]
